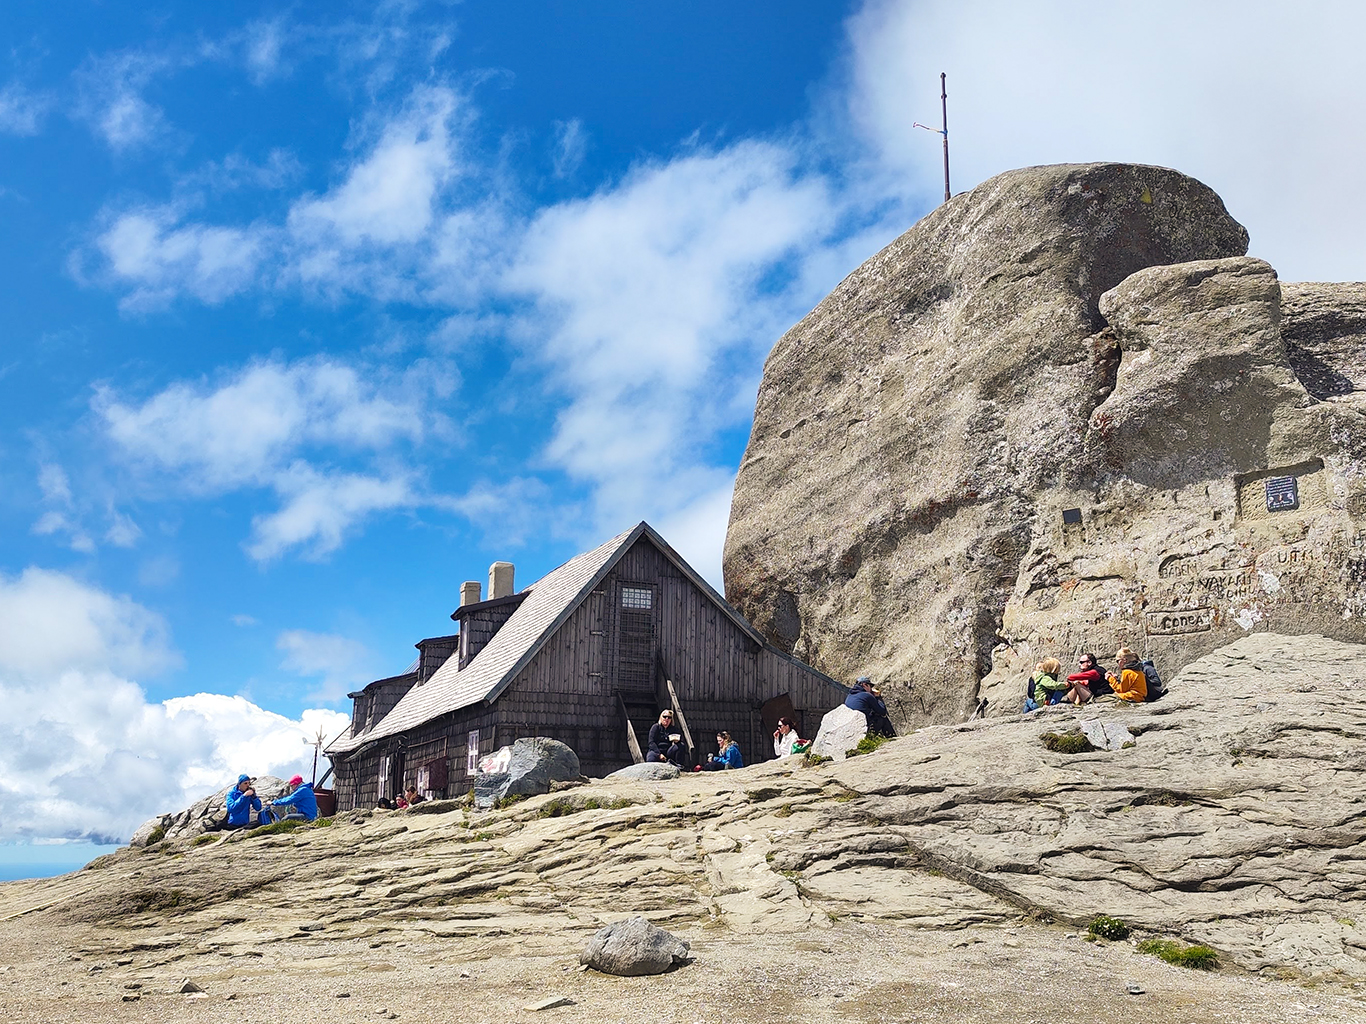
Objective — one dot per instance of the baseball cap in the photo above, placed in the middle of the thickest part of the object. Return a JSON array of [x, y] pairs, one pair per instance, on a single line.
[[297, 780], [863, 679]]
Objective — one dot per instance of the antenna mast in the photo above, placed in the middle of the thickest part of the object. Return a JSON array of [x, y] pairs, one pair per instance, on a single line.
[[944, 131]]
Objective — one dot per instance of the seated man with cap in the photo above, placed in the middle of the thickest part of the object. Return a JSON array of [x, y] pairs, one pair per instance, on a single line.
[[241, 801], [865, 697], [300, 796]]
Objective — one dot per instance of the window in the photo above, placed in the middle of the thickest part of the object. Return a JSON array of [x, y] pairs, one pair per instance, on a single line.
[[384, 777], [472, 752], [636, 597]]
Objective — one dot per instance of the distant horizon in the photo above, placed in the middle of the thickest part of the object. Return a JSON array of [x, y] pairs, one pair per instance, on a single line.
[[19, 863]]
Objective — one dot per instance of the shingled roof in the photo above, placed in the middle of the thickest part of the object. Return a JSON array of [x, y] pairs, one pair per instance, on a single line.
[[550, 601]]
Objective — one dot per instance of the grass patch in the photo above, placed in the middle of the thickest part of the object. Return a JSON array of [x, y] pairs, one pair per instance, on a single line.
[[1105, 927], [785, 811], [811, 760], [207, 837], [278, 826], [1197, 958], [156, 835], [1072, 742], [867, 745], [558, 809], [508, 801]]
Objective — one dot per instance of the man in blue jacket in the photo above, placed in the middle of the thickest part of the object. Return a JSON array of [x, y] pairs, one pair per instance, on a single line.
[[242, 800], [300, 796], [863, 696]]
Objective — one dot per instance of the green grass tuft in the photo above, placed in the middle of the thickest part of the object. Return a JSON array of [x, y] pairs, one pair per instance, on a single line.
[[1105, 927], [1198, 958], [867, 745], [1073, 742], [156, 835], [207, 837]]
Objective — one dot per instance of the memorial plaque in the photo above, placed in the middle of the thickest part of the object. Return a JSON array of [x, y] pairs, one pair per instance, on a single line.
[[1071, 516], [1282, 494]]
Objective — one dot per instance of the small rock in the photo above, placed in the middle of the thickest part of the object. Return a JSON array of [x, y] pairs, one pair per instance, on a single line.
[[550, 1003], [132, 997], [647, 771], [187, 986], [1012, 943], [1134, 989], [634, 947], [124, 962], [134, 985], [231, 995], [343, 995], [464, 974]]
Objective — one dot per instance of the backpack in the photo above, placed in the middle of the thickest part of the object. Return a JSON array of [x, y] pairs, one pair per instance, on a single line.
[[1154, 679]]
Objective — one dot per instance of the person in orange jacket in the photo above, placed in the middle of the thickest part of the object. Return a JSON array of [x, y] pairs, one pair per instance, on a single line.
[[1131, 684]]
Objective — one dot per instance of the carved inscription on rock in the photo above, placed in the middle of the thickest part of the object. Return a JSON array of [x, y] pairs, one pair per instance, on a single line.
[[1175, 621]]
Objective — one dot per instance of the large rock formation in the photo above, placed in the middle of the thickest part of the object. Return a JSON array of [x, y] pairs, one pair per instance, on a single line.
[[1062, 412]]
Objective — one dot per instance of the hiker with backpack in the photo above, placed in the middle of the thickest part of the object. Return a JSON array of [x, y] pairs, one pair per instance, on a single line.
[[1044, 687], [1131, 684]]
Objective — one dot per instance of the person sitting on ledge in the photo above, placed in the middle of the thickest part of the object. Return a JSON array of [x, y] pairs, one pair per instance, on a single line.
[[865, 697], [1086, 682], [241, 801], [664, 744], [728, 756], [300, 796], [413, 796], [1044, 687], [1131, 684]]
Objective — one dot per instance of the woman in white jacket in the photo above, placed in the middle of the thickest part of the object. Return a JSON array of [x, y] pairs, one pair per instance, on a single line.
[[785, 738]]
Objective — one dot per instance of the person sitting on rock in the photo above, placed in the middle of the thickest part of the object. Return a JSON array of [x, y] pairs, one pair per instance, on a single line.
[[865, 697], [1044, 687], [1086, 682], [1131, 684], [664, 744], [300, 796], [785, 738], [241, 801], [728, 756], [412, 796]]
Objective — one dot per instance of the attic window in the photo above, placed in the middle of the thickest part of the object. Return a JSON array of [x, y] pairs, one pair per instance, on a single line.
[[636, 597]]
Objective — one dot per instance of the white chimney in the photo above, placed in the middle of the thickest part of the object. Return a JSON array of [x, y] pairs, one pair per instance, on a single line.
[[500, 580], [469, 592]]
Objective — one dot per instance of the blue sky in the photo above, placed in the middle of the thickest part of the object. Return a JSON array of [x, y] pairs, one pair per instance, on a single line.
[[314, 311]]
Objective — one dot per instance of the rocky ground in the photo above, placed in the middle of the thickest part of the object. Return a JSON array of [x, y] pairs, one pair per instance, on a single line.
[[948, 873]]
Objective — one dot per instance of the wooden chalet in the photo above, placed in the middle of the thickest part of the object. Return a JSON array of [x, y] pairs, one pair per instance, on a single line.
[[589, 655]]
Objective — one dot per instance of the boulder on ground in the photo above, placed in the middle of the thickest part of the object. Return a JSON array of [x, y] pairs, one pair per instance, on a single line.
[[634, 947], [1105, 735], [526, 768], [647, 771], [840, 731]]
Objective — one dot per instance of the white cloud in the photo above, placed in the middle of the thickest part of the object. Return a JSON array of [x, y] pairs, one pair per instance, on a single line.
[[571, 146], [339, 662], [1268, 110], [149, 252], [22, 111], [388, 197], [83, 754], [248, 428], [54, 483], [320, 508], [243, 621], [61, 517], [122, 532], [263, 47], [111, 101]]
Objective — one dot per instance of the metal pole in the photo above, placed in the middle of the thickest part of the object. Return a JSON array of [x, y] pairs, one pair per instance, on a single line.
[[944, 102]]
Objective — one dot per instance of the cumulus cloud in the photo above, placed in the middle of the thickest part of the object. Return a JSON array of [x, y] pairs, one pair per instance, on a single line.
[[320, 508], [248, 427], [83, 754]]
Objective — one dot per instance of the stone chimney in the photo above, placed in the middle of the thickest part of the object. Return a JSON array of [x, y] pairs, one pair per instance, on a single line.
[[469, 592], [500, 580]]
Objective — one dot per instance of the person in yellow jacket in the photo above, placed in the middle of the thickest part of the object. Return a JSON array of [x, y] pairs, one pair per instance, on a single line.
[[1131, 684]]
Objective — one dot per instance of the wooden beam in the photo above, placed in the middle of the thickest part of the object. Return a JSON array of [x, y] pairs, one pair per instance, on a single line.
[[631, 741], [678, 716]]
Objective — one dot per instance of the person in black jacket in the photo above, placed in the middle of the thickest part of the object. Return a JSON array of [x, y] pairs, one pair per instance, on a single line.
[[864, 696], [665, 743]]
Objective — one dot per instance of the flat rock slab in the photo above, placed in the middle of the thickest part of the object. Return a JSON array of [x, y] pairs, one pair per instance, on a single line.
[[647, 771], [1105, 735]]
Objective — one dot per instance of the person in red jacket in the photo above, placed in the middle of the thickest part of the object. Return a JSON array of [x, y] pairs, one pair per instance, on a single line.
[[1083, 683]]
